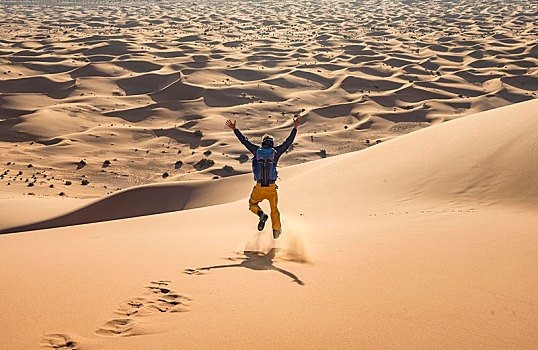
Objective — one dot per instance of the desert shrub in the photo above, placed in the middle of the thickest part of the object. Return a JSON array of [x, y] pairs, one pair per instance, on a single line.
[[228, 168], [84, 182], [322, 153], [204, 163], [242, 158], [198, 134], [106, 163], [30, 166], [67, 183], [30, 184], [207, 153], [61, 194], [81, 164], [165, 175], [178, 164]]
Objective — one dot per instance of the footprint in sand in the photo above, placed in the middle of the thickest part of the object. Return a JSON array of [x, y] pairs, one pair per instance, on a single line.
[[117, 327], [58, 341], [159, 299]]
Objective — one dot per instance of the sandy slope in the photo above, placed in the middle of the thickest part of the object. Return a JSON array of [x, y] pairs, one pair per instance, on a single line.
[[380, 250], [130, 84], [496, 165]]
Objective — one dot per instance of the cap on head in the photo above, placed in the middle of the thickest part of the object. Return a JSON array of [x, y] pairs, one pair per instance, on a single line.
[[267, 140]]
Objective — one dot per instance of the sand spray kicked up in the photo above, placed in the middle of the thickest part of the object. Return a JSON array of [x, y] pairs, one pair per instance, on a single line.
[[291, 246], [261, 242]]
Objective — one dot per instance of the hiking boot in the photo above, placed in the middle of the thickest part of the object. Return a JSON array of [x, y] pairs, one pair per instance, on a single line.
[[263, 219], [276, 233]]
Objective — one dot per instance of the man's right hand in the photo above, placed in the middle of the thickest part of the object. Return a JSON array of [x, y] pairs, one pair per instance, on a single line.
[[296, 121], [230, 124]]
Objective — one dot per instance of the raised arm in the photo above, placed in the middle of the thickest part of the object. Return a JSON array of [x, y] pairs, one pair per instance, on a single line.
[[249, 145], [286, 144]]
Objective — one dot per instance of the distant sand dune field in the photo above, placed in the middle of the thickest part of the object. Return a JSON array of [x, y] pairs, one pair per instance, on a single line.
[[130, 84]]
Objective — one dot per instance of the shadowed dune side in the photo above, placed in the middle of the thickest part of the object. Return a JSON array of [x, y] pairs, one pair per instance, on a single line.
[[138, 66], [353, 84], [148, 200], [94, 70], [147, 83], [37, 84], [177, 91], [478, 159]]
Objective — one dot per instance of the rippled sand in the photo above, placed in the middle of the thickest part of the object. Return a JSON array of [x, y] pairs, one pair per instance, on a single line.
[[131, 82]]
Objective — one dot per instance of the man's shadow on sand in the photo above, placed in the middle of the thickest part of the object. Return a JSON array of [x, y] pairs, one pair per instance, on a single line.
[[258, 261]]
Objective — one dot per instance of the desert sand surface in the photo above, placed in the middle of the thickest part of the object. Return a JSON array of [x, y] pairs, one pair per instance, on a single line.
[[114, 92], [415, 228], [380, 250]]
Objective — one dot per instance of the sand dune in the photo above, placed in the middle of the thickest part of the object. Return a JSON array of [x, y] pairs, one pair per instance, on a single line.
[[498, 171], [436, 250], [192, 66], [147, 200], [408, 198]]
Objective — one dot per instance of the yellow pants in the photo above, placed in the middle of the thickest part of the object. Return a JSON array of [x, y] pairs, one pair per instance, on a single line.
[[260, 193]]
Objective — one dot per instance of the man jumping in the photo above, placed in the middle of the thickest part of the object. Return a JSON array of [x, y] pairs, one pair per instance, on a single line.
[[264, 163]]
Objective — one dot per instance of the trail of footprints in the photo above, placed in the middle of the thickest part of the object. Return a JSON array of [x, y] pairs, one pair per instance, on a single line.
[[158, 299]]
